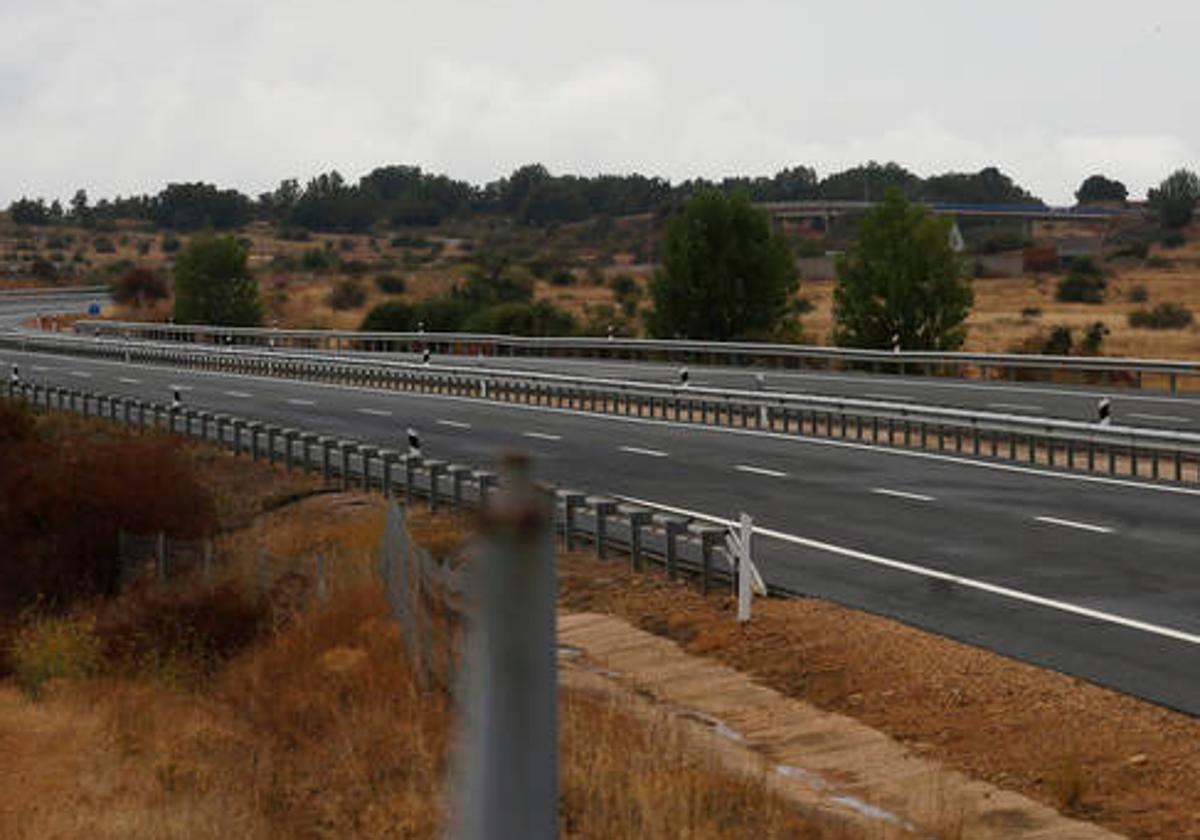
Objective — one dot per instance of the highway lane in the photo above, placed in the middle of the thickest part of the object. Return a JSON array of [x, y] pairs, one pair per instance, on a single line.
[[1112, 546]]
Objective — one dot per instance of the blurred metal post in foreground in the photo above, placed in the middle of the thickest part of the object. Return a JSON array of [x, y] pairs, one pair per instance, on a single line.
[[507, 783]]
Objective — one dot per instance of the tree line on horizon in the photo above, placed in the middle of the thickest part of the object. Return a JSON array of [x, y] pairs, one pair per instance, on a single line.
[[406, 196]]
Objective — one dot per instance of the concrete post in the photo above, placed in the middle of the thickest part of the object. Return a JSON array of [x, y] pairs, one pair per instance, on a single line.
[[507, 767]]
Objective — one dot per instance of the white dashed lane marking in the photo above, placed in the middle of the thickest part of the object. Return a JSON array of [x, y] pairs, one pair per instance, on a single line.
[[81, 374], [454, 424], [129, 381], [753, 470], [541, 436], [375, 412], [294, 401], [901, 494], [241, 395], [637, 450], [1070, 523]]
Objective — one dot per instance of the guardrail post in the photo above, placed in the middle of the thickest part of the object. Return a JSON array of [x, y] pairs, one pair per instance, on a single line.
[[327, 444], [487, 481], [307, 441], [458, 474], [708, 536], [434, 468], [367, 454], [272, 441], [289, 446], [238, 425], [411, 464], [254, 428], [572, 501], [638, 519], [390, 458], [347, 449], [603, 508], [673, 527]]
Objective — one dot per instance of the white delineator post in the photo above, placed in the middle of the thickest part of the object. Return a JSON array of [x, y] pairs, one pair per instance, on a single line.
[[739, 542]]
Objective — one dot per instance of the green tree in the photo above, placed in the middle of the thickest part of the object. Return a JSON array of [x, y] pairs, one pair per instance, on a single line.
[[724, 274], [904, 280], [1175, 198], [213, 284], [1098, 188]]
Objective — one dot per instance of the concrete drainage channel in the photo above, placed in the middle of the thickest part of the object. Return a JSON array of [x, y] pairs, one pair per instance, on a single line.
[[683, 546], [1158, 455]]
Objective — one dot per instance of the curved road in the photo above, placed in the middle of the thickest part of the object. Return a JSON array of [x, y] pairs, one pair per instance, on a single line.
[[1092, 576]]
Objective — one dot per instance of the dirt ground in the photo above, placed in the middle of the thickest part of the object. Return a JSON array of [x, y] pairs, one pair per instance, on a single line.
[[1124, 764]]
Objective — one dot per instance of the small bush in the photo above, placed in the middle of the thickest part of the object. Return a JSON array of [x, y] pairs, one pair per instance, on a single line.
[[356, 268], [103, 245], [1165, 316], [1031, 312], [1138, 294], [1057, 342], [1158, 262], [1085, 283], [317, 259], [170, 244], [1174, 239], [348, 294], [1093, 338], [562, 277], [625, 287], [391, 284], [1136, 250], [54, 647], [140, 285]]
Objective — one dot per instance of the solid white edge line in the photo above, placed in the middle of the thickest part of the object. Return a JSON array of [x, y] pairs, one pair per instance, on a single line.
[[637, 450], [750, 468], [968, 583], [795, 439], [1070, 523], [1159, 418], [902, 494]]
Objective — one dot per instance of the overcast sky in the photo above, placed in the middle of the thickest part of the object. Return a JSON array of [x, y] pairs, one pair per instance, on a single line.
[[121, 96]]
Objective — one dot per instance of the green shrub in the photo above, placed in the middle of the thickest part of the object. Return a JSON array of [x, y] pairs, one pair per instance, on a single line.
[[1165, 316], [391, 284], [317, 259], [1174, 239], [348, 294], [1084, 283], [1031, 312], [624, 287], [1057, 342], [1093, 338], [392, 316], [170, 244], [103, 245], [54, 647], [1137, 250], [520, 318], [562, 277], [1139, 294]]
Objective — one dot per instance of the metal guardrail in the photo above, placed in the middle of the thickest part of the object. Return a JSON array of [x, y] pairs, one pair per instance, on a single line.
[[1115, 450], [981, 365], [682, 545], [52, 292]]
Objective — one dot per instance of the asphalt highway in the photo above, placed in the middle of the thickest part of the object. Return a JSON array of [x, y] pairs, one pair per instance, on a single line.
[[1088, 575]]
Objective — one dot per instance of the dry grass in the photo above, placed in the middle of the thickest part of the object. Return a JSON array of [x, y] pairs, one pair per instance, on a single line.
[[320, 730]]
